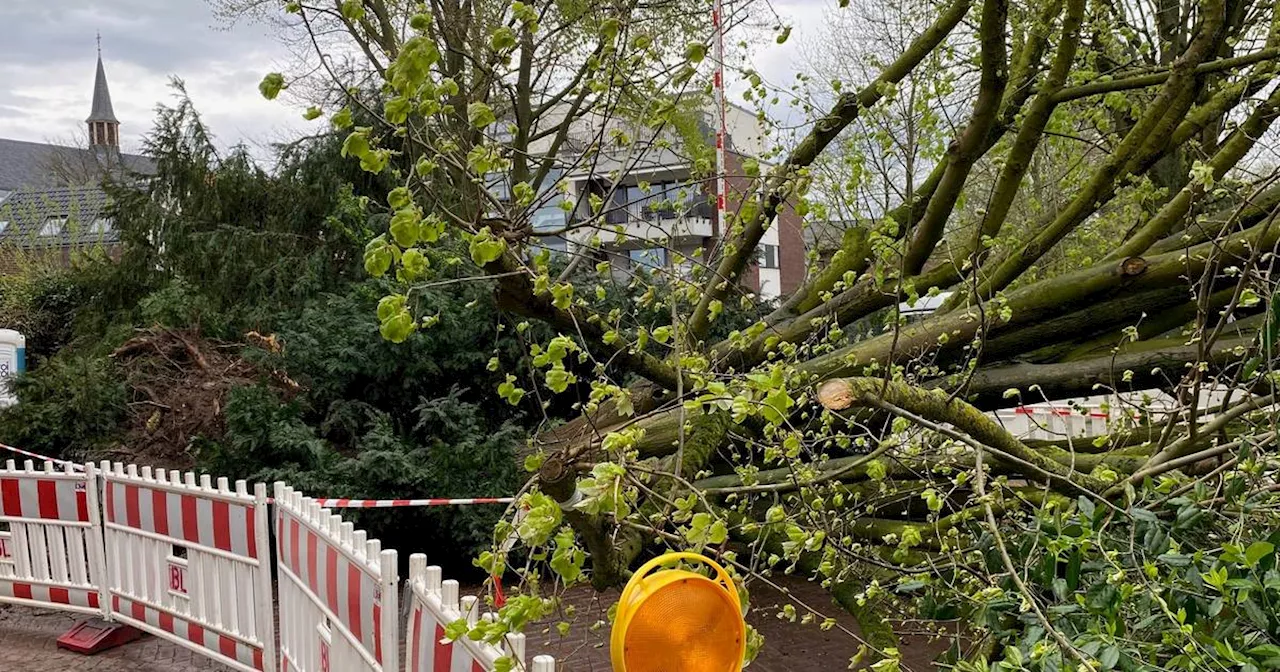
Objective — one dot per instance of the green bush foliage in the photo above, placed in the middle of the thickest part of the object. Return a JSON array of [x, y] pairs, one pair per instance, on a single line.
[[67, 408]]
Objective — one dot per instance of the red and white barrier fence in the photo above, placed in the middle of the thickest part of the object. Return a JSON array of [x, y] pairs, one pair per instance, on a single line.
[[433, 604], [338, 591], [51, 553], [1051, 422], [190, 562]]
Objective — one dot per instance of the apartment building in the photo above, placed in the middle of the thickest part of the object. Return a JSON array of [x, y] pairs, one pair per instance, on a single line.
[[641, 205]]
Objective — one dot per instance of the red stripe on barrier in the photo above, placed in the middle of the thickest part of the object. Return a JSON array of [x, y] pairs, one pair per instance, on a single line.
[[47, 496], [93, 600], [82, 506], [257, 659], [190, 518], [377, 632], [195, 633], [331, 578], [166, 622], [415, 641], [60, 595], [132, 516], [221, 525], [160, 511], [22, 591], [251, 529], [293, 546], [227, 646], [354, 585], [443, 653], [312, 561], [10, 497], [476, 666], [139, 611]]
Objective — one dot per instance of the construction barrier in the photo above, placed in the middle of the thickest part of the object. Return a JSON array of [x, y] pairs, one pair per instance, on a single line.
[[1054, 422], [51, 552], [434, 603], [339, 605], [190, 563]]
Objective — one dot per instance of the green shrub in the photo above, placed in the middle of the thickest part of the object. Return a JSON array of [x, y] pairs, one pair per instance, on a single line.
[[451, 450], [66, 408]]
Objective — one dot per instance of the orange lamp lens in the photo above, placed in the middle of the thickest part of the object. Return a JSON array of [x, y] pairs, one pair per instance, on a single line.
[[688, 625]]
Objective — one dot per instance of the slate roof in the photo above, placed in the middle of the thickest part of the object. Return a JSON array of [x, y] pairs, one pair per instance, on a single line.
[[80, 216], [37, 165], [101, 110]]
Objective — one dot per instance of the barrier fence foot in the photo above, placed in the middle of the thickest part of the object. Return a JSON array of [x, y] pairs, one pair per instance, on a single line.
[[96, 635]]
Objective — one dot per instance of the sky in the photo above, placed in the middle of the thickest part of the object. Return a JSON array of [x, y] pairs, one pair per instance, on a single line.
[[47, 60]]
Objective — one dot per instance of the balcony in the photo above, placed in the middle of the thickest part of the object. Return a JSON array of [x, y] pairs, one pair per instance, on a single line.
[[661, 222]]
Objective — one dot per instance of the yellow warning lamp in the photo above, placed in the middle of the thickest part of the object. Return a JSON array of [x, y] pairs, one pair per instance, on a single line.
[[675, 620]]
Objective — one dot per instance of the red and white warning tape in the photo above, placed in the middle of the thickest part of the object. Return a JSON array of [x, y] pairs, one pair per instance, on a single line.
[[389, 503], [42, 458], [327, 503]]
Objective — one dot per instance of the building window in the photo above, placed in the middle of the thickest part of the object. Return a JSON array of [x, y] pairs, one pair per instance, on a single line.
[[648, 257], [53, 226], [769, 256], [101, 225], [4, 225]]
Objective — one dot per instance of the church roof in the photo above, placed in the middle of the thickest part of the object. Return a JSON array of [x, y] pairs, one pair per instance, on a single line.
[[38, 165], [70, 216], [101, 110]]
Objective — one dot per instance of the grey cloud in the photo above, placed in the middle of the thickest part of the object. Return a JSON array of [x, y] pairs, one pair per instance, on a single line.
[[166, 35]]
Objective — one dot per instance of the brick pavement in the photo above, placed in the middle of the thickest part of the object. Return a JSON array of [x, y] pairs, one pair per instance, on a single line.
[[28, 643]]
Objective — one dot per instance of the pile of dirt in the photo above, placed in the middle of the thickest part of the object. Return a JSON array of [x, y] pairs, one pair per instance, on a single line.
[[179, 383]]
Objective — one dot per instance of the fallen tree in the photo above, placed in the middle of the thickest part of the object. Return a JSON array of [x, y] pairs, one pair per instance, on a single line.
[[866, 461]]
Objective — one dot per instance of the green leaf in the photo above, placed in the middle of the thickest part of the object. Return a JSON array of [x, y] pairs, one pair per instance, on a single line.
[[1257, 551], [509, 392], [558, 379], [485, 248], [356, 144], [1109, 657], [563, 295], [398, 327], [312, 113], [397, 109], [400, 197], [413, 263], [272, 85], [609, 28], [502, 39], [404, 226], [694, 52], [480, 115], [352, 10], [420, 22], [342, 119], [378, 257], [784, 35]]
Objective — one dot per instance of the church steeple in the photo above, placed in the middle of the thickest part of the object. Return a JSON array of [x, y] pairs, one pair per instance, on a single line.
[[104, 128]]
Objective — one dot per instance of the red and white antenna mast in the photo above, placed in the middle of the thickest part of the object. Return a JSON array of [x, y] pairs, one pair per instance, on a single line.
[[722, 180]]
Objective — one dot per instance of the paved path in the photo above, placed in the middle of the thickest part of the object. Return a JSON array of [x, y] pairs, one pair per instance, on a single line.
[[28, 640], [28, 643]]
